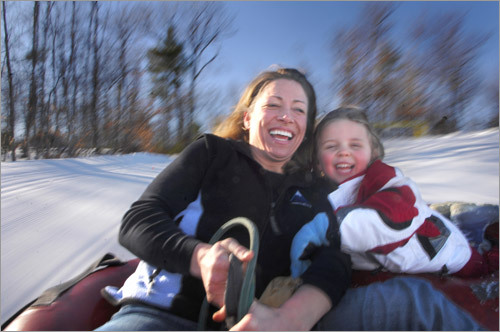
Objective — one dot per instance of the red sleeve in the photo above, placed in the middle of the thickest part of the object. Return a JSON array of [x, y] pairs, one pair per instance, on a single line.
[[395, 205]]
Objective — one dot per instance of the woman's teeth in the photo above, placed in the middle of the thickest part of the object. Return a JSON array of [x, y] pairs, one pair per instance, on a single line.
[[281, 134]]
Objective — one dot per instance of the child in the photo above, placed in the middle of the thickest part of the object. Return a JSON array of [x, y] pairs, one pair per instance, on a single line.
[[383, 221]]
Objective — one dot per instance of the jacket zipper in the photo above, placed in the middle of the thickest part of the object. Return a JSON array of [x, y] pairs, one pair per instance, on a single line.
[[272, 218]]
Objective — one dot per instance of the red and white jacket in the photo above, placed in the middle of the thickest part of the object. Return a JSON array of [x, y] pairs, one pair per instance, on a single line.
[[385, 223]]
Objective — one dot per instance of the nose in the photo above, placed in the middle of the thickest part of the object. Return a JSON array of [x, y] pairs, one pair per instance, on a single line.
[[343, 151], [285, 115]]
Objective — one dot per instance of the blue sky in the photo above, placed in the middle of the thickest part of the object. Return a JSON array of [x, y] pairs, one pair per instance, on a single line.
[[299, 33]]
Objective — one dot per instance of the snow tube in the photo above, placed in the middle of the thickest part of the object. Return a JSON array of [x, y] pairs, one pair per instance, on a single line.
[[477, 296], [82, 308], [78, 305]]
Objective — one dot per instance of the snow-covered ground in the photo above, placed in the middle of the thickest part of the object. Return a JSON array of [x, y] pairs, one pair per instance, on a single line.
[[60, 215]]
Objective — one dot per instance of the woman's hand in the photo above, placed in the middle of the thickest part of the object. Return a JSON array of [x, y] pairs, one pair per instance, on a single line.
[[300, 313], [211, 264], [259, 318]]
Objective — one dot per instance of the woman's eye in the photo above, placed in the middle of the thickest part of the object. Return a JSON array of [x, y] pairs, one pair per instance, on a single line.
[[272, 106], [300, 110]]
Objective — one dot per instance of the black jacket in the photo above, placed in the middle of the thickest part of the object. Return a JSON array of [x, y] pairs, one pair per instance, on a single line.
[[212, 181]]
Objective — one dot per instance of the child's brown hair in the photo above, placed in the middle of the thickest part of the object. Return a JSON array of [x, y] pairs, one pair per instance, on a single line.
[[354, 114]]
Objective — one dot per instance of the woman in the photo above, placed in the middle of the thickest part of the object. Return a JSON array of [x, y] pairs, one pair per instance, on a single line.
[[260, 171]]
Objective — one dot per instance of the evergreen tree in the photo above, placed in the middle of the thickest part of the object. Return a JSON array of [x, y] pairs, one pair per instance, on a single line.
[[167, 64]]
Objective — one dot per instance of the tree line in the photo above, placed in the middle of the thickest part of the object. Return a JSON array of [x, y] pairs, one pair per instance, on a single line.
[[84, 82], [122, 77], [429, 77]]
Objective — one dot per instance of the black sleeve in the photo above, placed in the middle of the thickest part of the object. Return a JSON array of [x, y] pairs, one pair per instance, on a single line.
[[330, 271], [330, 268], [148, 229]]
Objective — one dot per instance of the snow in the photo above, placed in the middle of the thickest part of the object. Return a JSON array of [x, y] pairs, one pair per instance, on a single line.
[[455, 167], [60, 215]]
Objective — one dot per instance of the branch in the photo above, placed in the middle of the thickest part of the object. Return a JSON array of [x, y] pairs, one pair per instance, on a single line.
[[205, 65]]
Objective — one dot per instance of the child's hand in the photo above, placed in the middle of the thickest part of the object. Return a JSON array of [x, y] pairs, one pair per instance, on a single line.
[[279, 290], [311, 236]]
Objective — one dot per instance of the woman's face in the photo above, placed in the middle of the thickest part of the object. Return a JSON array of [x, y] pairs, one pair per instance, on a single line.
[[277, 123], [344, 150]]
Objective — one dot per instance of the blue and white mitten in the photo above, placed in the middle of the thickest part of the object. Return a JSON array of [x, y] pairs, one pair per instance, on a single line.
[[311, 236]]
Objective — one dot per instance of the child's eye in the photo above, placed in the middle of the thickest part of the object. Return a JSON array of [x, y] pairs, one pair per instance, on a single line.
[[357, 146]]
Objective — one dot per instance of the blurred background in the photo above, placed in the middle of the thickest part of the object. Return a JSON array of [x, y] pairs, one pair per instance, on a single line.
[[81, 78]]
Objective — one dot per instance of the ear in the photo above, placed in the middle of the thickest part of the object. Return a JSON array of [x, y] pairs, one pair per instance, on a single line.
[[319, 169], [246, 120]]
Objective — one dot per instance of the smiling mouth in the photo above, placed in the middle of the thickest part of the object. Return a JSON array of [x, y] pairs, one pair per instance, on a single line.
[[282, 135], [344, 167]]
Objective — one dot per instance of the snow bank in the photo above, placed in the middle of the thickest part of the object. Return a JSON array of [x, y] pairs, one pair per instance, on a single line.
[[60, 215], [455, 167]]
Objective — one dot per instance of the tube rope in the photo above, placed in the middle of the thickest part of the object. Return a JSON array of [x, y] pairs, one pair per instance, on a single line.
[[247, 292]]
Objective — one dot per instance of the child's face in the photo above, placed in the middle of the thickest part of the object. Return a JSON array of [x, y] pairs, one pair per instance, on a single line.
[[344, 150]]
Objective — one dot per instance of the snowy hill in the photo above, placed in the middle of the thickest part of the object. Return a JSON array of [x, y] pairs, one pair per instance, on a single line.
[[60, 215]]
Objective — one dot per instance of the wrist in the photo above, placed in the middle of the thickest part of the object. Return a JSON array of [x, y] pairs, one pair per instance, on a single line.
[[303, 317], [198, 253]]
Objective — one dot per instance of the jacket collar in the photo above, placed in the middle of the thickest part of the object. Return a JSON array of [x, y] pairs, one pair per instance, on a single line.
[[300, 178]]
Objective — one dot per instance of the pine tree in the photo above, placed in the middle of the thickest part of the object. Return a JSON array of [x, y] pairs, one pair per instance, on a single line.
[[167, 64]]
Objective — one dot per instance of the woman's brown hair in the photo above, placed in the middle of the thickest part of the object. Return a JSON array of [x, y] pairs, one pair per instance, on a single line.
[[232, 127]]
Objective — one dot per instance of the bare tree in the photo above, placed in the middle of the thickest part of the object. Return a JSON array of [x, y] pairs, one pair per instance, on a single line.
[[418, 82], [130, 23], [71, 68], [85, 88], [71, 107], [449, 64], [369, 62], [208, 24], [95, 76], [58, 75], [139, 132], [97, 41], [12, 112], [43, 120], [31, 110]]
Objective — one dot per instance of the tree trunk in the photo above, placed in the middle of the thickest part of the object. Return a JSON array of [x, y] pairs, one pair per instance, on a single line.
[[71, 111], [32, 100], [95, 80], [12, 113]]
